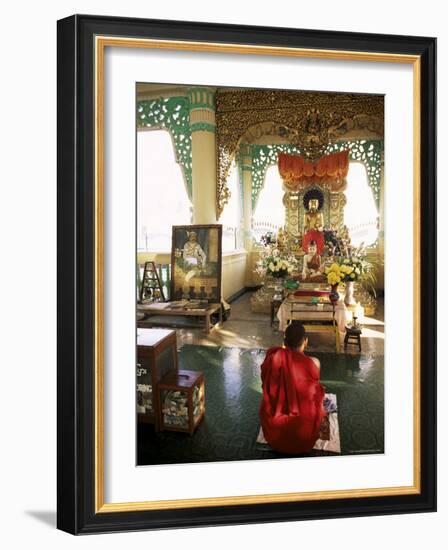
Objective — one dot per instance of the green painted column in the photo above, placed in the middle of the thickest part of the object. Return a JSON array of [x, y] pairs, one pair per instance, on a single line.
[[203, 146], [246, 167]]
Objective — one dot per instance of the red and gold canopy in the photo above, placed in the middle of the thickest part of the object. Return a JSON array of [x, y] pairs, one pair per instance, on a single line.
[[298, 172]]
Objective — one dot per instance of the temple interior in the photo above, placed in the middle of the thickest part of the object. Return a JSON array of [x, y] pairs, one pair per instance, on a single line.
[[256, 209]]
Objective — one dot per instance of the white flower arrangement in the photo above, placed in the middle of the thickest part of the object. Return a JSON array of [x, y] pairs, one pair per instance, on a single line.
[[275, 263]]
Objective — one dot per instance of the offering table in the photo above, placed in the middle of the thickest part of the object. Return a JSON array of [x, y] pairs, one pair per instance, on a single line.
[[315, 310]]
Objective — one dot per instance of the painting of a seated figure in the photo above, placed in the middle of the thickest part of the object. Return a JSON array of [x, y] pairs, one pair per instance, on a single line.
[[196, 263]]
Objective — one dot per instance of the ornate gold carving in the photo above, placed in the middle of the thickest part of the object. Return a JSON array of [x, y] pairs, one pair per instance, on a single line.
[[309, 120], [372, 123], [291, 202], [337, 203]]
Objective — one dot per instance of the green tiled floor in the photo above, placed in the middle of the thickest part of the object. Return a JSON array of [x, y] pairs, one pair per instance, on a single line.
[[233, 389]]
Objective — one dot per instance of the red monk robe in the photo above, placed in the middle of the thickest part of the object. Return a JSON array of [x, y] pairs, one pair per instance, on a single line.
[[317, 237], [292, 409]]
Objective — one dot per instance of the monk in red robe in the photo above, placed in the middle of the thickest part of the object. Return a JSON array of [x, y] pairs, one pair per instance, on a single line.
[[292, 408]]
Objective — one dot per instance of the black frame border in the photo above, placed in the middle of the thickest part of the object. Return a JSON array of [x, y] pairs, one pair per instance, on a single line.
[[76, 262]]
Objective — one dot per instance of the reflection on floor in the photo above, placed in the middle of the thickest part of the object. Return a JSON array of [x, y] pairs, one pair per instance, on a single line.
[[233, 389], [230, 357], [245, 329]]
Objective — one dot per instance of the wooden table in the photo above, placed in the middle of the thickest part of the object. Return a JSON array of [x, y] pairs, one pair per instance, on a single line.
[[163, 308], [323, 317]]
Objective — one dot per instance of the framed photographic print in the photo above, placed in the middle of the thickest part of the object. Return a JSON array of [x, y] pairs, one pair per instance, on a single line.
[[271, 195]]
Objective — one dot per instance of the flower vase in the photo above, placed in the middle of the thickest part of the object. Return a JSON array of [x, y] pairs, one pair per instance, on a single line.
[[280, 274], [334, 295], [349, 299]]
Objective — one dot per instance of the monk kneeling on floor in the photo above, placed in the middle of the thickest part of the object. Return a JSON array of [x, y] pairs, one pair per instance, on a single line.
[[292, 409]]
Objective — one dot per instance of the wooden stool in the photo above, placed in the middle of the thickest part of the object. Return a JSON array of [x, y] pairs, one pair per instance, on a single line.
[[182, 401], [352, 337]]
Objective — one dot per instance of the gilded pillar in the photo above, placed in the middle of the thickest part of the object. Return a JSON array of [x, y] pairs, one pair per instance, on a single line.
[[203, 148]]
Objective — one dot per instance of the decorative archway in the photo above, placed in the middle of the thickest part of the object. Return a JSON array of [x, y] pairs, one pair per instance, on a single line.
[[305, 120], [369, 152]]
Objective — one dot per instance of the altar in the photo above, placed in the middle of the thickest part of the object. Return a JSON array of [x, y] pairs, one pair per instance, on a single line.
[[313, 250], [315, 309]]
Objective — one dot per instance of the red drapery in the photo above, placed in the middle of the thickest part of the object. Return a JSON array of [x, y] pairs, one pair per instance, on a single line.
[[297, 172]]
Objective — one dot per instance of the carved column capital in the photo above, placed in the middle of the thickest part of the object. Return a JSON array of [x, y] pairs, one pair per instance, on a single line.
[[202, 109]]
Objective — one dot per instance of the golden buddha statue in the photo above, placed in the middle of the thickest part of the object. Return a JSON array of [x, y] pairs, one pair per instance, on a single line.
[[313, 219], [313, 226], [281, 239]]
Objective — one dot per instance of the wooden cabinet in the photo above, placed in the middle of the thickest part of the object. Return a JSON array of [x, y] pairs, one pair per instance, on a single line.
[[182, 401], [156, 357]]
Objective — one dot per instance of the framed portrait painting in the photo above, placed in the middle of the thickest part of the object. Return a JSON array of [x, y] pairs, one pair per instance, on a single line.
[[246, 265], [196, 263]]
